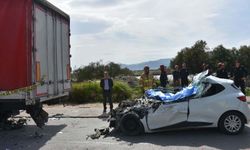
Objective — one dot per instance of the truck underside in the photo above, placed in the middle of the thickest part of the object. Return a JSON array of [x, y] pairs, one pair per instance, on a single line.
[[11, 108]]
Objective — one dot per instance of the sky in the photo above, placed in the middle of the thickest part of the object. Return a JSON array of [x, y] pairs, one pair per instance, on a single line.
[[133, 31]]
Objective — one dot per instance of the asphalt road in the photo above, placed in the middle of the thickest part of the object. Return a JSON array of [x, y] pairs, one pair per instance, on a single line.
[[70, 134]]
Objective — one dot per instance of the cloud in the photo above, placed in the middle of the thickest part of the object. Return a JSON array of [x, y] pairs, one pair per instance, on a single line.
[[90, 26], [93, 3], [130, 31]]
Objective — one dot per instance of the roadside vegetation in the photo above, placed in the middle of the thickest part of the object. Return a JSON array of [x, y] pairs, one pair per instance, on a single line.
[[248, 91], [90, 91]]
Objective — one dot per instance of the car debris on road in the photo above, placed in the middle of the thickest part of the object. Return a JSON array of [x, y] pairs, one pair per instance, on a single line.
[[98, 133], [13, 123]]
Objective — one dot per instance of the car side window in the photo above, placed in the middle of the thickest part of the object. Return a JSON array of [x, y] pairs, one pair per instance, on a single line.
[[214, 89]]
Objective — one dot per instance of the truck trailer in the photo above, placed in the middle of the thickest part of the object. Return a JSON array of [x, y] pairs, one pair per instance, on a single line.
[[34, 57]]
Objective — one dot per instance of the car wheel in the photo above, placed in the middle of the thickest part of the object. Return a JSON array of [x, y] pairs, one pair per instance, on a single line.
[[131, 125], [231, 123]]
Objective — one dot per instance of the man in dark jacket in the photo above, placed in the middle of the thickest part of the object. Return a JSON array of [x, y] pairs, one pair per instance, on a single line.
[[176, 76], [107, 85], [163, 76], [221, 72], [239, 75], [184, 75]]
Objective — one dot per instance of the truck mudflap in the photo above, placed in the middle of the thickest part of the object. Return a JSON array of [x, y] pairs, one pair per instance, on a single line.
[[38, 114]]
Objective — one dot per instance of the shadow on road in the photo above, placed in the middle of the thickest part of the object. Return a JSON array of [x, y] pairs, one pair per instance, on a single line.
[[29, 137], [194, 138]]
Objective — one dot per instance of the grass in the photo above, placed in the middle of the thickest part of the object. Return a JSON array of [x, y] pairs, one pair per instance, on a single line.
[[85, 92], [248, 91]]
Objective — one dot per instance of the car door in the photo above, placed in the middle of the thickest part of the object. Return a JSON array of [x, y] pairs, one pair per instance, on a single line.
[[203, 110], [167, 115]]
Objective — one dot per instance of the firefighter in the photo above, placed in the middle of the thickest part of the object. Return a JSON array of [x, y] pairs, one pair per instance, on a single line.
[[239, 75], [146, 80]]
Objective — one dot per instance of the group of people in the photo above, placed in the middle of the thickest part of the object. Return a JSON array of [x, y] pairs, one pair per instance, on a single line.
[[238, 74], [180, 78], [180, 75]]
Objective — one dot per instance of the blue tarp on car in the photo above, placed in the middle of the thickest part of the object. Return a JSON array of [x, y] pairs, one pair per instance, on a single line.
[[159, 95]]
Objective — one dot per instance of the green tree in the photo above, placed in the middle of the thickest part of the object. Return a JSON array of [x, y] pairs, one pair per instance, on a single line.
[[95, 71], [221, 54], [244, 56], [194, 57]]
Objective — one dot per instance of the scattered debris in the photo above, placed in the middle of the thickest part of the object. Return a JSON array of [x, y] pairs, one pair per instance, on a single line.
[[57, 116], [98, 133], [13, 123]]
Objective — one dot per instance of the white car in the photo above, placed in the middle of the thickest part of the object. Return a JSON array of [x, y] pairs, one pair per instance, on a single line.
[[216, 103]]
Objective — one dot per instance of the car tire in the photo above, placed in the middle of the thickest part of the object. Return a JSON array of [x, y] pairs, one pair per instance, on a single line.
[[231, 123], [131, 125]]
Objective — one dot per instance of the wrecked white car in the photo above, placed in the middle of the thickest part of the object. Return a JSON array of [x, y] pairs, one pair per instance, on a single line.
[[207, 102]]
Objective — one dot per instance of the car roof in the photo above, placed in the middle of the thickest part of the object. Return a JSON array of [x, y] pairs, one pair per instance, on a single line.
[[213, 79]]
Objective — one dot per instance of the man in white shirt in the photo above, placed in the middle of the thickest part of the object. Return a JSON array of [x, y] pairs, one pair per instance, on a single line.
[[107, 85]]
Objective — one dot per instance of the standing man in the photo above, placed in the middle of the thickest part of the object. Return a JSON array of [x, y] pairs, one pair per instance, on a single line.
[[184, 75], [207, 67], [107, 85], [163, 76], [146, 80], [239, 75], [176, 76], [221, 72]]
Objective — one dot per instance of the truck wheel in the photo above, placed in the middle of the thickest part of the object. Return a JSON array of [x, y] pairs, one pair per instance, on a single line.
[[231, 123], [131, 125]]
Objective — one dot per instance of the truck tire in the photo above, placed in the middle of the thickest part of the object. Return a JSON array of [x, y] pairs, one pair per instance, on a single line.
[[130, 124], [231, 123]]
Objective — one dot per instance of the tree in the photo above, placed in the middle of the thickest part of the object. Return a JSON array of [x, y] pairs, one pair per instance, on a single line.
[[244, 56], [221, 54], [194, 57], [95, 71]]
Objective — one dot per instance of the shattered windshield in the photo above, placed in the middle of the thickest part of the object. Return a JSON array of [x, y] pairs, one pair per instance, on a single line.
[[198, 83], [199, 78]]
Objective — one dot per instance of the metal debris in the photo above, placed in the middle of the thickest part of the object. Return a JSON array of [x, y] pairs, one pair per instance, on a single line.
[[98, 133], [13, 123], [57, 116]]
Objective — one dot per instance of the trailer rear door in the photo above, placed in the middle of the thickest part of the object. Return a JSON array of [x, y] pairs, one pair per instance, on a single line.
[[41, 49], [66, 55], [52, 51]]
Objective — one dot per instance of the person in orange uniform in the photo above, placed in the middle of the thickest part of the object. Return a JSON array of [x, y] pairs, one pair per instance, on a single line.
[[146, 80]]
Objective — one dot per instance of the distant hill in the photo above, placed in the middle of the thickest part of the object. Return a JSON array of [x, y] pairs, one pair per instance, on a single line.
[[152, 64]]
